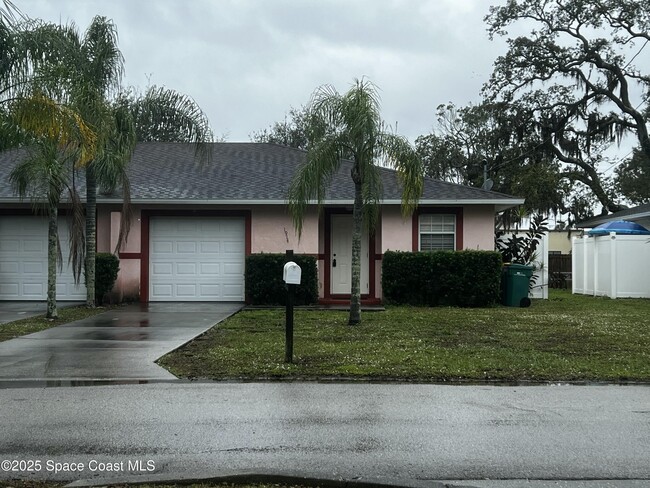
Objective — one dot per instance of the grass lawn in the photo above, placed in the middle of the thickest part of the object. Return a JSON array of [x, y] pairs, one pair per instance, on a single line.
[[35, 324], [568, 337]]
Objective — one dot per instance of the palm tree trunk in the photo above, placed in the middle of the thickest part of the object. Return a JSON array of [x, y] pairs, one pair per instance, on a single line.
[[52, 256], [357, 227], [91, 234]]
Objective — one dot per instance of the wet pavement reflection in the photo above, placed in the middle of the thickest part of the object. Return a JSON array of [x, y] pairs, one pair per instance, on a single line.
[[120, 345]]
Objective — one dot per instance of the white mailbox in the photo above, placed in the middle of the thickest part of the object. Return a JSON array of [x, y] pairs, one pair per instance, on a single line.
[[291, 273]]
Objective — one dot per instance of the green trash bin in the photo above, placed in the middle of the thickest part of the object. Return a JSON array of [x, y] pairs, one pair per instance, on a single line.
[[515, 285]]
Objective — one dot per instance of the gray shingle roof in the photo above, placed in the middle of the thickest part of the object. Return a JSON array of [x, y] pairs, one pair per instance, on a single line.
[[242, 172]]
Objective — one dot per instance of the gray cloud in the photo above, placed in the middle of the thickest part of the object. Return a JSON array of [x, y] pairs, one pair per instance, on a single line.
[[246, 62]]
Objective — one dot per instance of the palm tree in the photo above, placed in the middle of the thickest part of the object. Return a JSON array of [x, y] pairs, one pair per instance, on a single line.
[[349, 126], [44, 176], [92, 66], [32, 115], [29, 107]]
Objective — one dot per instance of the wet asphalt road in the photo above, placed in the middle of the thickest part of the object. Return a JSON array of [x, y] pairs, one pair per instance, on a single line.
[[424, 432]]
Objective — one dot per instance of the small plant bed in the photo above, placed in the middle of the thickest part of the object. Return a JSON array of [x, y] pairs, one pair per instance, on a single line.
[[30, 325], [566, 338]]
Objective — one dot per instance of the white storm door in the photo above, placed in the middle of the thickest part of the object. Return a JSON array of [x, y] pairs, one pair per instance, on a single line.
[[196, 259], [341, 259]]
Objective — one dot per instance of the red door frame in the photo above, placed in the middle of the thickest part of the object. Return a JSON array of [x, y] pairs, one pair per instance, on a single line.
[[329, 297]]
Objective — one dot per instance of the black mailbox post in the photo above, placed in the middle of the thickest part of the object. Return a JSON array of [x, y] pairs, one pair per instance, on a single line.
[[291, 276]]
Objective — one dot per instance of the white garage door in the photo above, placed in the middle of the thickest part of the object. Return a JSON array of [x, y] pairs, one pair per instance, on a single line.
[[23, 260], [196, 259]]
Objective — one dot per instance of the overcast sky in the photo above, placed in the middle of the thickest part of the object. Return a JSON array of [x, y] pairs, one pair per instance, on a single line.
[[246, 62]]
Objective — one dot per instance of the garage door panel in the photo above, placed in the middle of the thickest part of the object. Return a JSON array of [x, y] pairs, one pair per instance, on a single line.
[[23, 260], [11, 267], [9, 289], [186, 247], [232, 269], [162, 269], [9, 245], [210, 247], [162, 292], [186, 269], [38, 268], [186, 290], [35, 290], [163, 247], [210, 269], [35, 246], [205, 255]]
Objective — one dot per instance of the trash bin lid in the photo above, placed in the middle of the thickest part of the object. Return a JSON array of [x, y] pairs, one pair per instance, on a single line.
[[517, 266]]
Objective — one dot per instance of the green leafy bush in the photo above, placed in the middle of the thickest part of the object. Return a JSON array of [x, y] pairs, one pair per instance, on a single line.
[[264, 284], [106, 267], [442, 278]]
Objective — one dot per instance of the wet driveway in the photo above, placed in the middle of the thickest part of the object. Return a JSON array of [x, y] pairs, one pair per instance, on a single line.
[[12, 311], [119, 345]]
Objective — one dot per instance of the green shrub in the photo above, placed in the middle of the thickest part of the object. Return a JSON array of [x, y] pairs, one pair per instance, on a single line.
[[442, 278], [264, 284], [106, 267]]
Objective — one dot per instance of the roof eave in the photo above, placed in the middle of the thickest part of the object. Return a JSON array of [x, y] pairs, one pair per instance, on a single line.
[[500, 203]]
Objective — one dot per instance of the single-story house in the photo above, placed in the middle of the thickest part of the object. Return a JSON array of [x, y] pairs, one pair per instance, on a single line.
[[194, 224]]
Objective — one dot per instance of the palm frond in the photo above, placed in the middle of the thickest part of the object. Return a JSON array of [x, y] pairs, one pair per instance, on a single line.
[[77, 235], [168, 116], [45, 119], [405, 160], [103, 63], [311, 181], [41, 176]]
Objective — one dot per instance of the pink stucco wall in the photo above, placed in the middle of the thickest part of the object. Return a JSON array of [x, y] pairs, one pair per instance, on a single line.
[[478, 227], [396, 232], [133, 239], [272, 231], [127, 286], [104, 230]]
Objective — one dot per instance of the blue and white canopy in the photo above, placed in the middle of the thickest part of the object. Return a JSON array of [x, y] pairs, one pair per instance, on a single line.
[[620, 227]]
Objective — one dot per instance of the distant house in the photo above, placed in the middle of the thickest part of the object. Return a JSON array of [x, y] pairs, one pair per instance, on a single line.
[[639, 214], [194, 224]]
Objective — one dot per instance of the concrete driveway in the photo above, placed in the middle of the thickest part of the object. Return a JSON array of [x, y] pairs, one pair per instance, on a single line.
[[119, 345], [11, 311]]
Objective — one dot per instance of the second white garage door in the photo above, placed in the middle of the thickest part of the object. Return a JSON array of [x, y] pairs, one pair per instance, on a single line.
[[23, 260], [196, 259]]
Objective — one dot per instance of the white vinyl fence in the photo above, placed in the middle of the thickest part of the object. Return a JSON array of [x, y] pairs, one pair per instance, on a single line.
[[614, 265]]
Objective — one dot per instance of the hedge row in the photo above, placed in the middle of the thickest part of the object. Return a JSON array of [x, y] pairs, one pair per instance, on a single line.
[[107, 266], [442, 278], [264, 284]]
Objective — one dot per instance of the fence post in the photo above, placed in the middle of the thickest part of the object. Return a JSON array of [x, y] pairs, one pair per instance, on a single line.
[[614, 272], [585, 242], [574, 258]]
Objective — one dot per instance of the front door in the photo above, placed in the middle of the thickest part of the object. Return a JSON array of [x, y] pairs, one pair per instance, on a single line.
[[341, 258]]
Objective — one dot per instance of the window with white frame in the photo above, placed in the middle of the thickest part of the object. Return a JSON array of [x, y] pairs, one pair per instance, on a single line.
[[437, 232]]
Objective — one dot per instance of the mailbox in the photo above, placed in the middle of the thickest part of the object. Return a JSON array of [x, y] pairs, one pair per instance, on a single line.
[[291, 273]]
